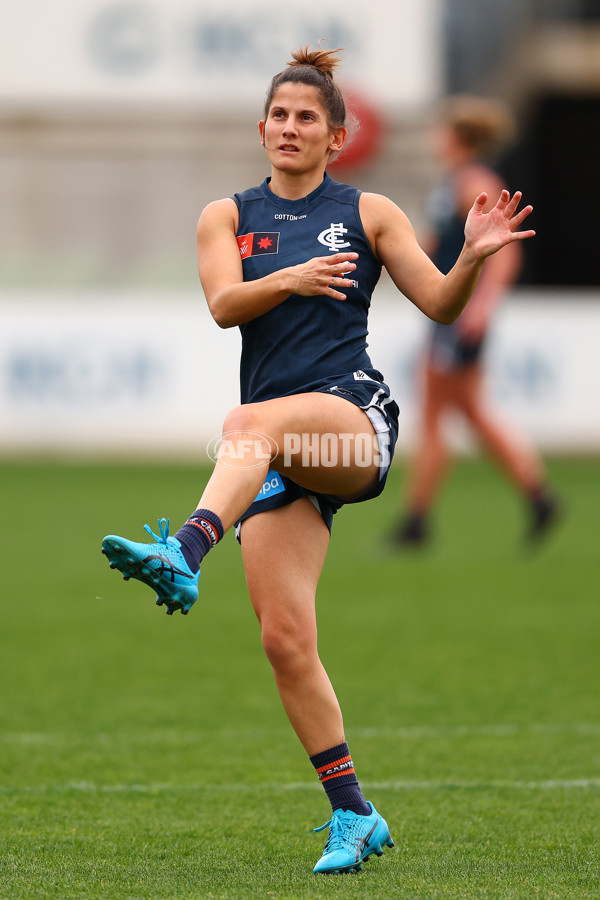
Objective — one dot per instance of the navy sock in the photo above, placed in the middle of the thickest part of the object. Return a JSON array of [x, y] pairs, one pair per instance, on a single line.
[[336, 772], [202, 531]]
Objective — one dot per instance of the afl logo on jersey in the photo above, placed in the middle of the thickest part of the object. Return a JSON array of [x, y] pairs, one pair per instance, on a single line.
[[257, 243], [332, 237]]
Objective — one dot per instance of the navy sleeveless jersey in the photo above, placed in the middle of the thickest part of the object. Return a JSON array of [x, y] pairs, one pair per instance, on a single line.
[[450, 350], [304, 341], [448, 226]]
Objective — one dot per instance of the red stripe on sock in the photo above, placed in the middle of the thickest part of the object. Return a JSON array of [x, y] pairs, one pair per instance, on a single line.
[[349, 771], [210, 540], [331, 765]]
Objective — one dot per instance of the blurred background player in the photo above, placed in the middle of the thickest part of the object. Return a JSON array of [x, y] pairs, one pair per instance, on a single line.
[[470, 130]]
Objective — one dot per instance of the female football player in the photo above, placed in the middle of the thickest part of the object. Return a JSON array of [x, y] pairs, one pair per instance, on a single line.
[[293, 263], [469, 131]]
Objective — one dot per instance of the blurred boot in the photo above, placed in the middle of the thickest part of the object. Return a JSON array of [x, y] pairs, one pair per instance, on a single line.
[[545, 510], [412, 531]]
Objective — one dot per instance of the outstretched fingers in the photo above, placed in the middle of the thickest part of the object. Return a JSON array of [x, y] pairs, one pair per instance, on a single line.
[[520, 216], [503, 201], [509, 206], [517, 218], [521, 235], [480, 202]]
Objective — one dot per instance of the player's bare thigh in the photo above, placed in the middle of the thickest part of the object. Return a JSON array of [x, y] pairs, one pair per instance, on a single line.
[[322, 442], [458, 388], [284, 551]]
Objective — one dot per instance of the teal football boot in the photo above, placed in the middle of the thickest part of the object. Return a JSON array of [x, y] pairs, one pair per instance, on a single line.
[[352, 839], [161, 566]]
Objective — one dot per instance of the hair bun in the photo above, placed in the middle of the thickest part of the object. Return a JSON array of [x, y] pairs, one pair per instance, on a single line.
[[323, 60]]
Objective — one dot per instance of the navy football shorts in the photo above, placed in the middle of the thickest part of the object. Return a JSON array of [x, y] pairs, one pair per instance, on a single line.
[[366, 389], [449, 351]]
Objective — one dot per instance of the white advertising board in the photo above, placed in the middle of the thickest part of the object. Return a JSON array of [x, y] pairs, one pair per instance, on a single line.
[[209, 51], [135, 373]]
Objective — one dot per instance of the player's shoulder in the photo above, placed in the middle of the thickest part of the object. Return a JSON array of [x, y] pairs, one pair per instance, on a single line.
[[218, 212], [471, 180], [377, 201], [381, 210], [247, 196], [340, 191]]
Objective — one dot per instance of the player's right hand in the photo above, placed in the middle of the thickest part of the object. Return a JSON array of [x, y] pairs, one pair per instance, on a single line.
[[323, 274]]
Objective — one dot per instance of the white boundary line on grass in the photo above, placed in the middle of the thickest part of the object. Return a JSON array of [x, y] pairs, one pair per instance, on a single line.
[[503, 784], [409, 732]]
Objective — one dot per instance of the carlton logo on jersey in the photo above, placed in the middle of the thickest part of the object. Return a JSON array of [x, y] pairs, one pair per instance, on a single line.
[[332, 237], [258, 243]]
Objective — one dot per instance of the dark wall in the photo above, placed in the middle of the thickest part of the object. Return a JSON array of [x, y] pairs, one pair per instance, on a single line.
[[557, 167]]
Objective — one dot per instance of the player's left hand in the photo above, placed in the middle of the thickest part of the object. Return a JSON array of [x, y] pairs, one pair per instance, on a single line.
[[485, 233]]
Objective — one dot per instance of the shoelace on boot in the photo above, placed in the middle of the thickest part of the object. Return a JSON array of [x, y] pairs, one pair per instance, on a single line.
[[339, 832], [163, 526]]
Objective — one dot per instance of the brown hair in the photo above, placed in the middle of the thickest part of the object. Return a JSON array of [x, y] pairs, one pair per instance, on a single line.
[[481, 124], [316, 68]]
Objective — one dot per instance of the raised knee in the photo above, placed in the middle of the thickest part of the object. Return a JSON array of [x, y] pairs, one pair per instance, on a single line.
[[245, 427], [240, 419]]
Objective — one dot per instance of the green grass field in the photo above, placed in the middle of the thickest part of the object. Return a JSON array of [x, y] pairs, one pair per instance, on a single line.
[[147, 757]]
